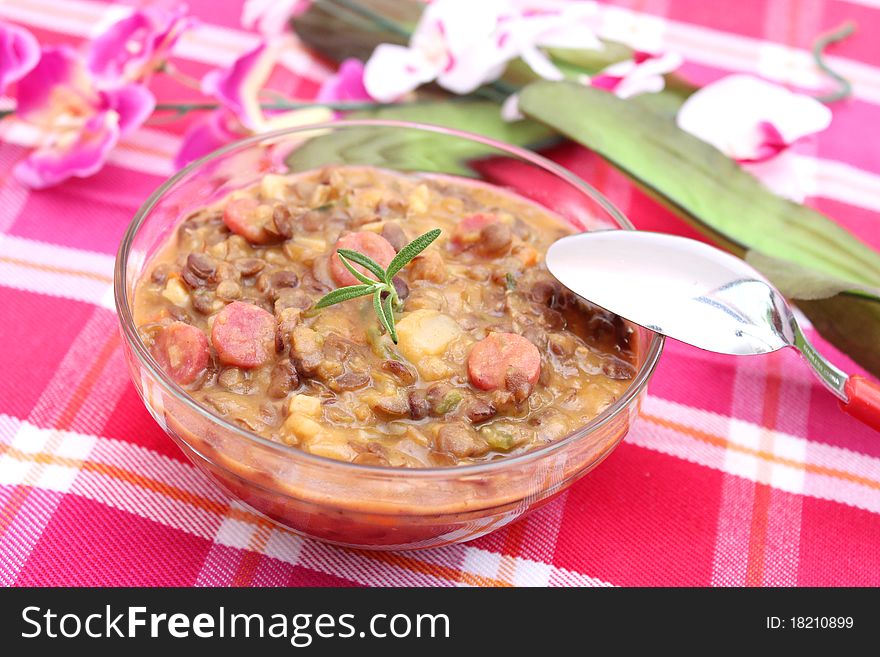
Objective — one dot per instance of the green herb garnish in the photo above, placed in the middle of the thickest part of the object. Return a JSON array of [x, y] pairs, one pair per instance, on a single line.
[[385, 299]]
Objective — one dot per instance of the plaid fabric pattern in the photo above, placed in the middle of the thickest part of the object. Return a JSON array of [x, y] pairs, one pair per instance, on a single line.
[[741, 471]]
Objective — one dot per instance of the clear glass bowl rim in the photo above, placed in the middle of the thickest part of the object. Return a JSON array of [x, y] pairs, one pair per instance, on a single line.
[[130, 333]]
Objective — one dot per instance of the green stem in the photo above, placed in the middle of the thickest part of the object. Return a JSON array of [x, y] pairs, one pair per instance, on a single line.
[[844, 87], [184, 108], [5, 113]]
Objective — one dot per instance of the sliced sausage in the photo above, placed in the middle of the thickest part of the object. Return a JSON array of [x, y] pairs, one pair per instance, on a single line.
[[182, 351], [467, 232], [371, 244], [248, 218], [243, 335], [500, 357]]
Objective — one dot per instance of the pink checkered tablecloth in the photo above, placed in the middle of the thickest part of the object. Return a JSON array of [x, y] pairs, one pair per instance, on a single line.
[[741, 471]]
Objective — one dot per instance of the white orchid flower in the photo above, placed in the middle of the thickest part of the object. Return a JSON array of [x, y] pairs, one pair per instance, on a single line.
[[639, 75], [462, 44], [755, 122]]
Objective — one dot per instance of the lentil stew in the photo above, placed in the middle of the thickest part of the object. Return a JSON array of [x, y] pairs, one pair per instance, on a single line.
[[494, 357]]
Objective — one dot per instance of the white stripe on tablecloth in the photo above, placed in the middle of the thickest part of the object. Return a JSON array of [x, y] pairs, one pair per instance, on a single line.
[[839, 181], [42, 253], [21, 260]]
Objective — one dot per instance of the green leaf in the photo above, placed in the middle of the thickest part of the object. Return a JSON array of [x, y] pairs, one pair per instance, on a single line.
[[413, 150], [338, 29], [699, 181], [716, 195], [343, 294], [410, 251], [797, 282], [364, 261], [380, 313], [389, 316], [355, 272], [851, 323]]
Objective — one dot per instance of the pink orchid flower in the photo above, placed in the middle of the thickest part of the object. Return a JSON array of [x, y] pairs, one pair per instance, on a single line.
[[80, 121], [240, 113], [133, 48], [346, 85], [755, 123], [271, 17], [644, 73], [19, 54], [214, 131], [462, 45]]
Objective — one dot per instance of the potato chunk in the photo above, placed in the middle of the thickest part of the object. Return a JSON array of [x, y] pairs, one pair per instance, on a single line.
[[175, 292], [304, 405], [425, 332]]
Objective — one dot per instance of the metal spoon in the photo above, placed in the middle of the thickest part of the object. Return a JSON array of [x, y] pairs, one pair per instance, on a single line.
[[700, 295]]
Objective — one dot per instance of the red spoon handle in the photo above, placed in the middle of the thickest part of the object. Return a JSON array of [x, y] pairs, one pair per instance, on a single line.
[[864, 401]]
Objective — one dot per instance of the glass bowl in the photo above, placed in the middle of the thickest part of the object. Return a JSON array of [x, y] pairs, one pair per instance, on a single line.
[[358, 505]]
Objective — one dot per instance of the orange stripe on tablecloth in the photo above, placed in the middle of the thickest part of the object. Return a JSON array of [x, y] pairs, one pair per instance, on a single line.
[[718, 441], [435, 570], [16, 501], [761, 502], [247, 567], [513, 541], [127, 476], [507, 567], [56, 270], [758, 535], [65, 420]]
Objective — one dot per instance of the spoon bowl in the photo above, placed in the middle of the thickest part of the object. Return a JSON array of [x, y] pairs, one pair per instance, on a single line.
[[678, 287], [695, 293]]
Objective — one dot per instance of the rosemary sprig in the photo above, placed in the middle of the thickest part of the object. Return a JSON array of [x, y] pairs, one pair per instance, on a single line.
[[385, 299]]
